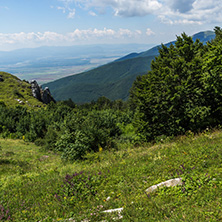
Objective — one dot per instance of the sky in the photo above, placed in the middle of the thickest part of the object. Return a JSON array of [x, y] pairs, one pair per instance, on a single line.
[[35, 23]]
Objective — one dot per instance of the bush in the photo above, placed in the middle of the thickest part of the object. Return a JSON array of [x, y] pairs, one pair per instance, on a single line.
[[87, 133], [73, 145]]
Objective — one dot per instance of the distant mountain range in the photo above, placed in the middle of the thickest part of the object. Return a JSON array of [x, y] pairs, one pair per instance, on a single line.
[[48, 63], [112, 80]]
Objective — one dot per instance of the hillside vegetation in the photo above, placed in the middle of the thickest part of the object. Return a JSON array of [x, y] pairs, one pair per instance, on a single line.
[[14, 92], [105, 154], [112, 80], [38, 186]]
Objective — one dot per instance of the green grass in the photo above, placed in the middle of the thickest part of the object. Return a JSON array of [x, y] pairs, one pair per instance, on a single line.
[[34, 185], [16, 92]]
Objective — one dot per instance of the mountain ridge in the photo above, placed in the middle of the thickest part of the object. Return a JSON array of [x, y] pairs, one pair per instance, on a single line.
[[112, 80]]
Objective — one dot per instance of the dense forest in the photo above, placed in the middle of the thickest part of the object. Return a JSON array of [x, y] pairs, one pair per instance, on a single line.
[[181, 92]]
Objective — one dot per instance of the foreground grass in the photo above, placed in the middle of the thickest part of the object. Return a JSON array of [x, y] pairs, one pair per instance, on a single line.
[[38, 186]]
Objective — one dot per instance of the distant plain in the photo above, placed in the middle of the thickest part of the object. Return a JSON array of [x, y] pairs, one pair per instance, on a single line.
[[46, 64]]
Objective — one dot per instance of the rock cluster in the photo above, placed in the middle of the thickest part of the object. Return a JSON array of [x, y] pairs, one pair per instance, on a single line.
[[42, 95]]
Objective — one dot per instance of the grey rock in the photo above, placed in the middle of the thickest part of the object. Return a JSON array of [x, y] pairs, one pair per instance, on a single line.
[[168, 183], [40, 94], [36, 92], [46, 96]]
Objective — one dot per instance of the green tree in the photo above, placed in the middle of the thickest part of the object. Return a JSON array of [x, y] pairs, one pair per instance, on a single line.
[[212, 77], [170, 99]]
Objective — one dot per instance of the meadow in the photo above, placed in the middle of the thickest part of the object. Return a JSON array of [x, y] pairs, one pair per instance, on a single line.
[[37, 185]]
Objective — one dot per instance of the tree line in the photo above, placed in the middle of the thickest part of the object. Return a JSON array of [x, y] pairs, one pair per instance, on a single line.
[[181, 92]]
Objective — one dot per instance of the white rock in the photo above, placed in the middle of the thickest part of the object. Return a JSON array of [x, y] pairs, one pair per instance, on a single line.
[[168, 183], [113, 210], [108, 198]]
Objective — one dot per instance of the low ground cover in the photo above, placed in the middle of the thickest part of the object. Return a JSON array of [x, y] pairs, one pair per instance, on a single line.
[[36, 185]]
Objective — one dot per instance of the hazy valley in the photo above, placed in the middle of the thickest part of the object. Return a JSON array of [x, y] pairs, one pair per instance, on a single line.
[[46, 64]]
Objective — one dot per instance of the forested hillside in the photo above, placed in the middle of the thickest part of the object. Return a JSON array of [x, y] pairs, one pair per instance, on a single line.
[[181, 92], [113, 80]]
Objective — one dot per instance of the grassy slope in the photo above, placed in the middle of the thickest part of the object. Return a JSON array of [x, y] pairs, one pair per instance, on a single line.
[[12, 89], [30, 180]]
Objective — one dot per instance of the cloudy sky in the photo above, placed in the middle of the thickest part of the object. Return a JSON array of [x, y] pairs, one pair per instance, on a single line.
[[33, 23]]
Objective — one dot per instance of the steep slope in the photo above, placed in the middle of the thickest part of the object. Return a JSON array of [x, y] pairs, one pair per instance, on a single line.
[[112, 80], [14, 91]]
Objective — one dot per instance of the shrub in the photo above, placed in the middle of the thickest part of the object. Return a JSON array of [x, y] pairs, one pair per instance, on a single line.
[[73, 145]]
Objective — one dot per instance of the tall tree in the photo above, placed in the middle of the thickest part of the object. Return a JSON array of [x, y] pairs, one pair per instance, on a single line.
[[170, 98]]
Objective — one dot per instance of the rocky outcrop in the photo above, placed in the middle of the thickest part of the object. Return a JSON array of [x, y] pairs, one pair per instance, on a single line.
[[1, 78], [36, 91], [40, 94], [46, 96]]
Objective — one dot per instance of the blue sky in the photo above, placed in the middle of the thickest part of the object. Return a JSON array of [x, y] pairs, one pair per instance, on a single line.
[[34, 23]]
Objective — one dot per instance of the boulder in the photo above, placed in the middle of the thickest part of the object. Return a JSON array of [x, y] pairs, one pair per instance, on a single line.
[[168, 183]]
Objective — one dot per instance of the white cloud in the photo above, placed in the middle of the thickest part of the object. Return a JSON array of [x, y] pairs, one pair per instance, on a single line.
[[125, 8], [149, 32], [181, 6], [102, 33], [168, 11], [92, 13], [34, 39], [191, 11], [72, 13], [63, 9], [67, 8]]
